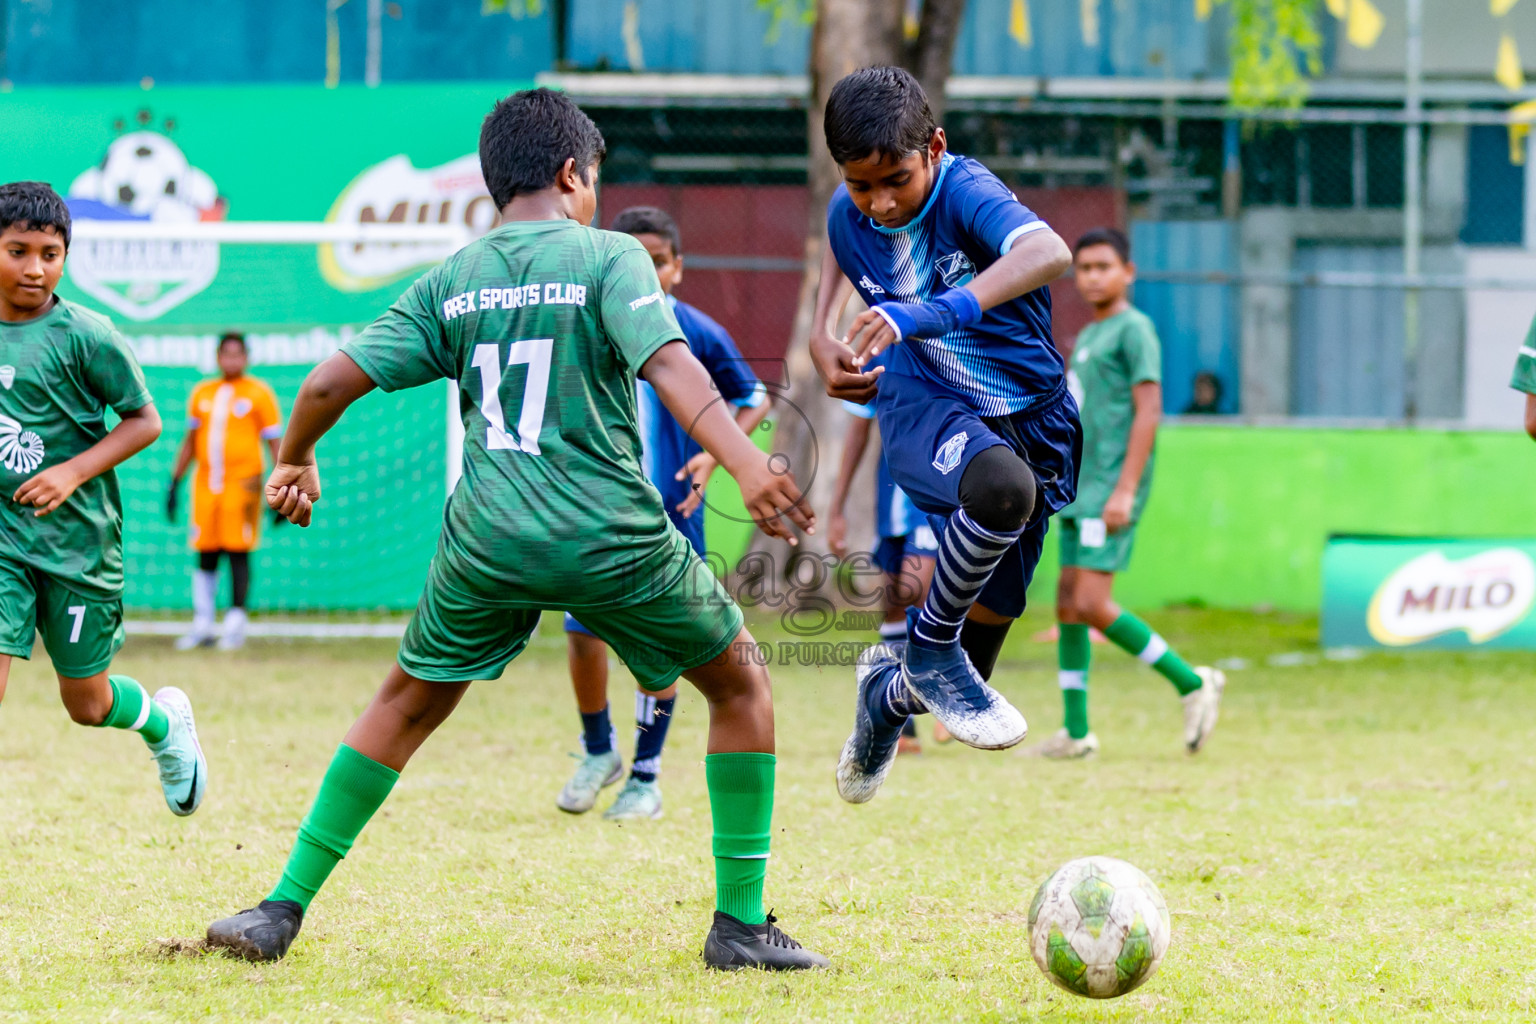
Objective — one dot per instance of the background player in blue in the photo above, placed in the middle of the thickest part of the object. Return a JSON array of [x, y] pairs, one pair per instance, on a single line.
[[973, 399], [905, 549], [680, 468]]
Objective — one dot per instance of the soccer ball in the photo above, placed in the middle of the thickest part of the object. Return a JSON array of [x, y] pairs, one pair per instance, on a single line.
[[1098, 927], [148, 176]]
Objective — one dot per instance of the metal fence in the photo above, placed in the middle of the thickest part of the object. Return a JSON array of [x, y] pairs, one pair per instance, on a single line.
[[1272, 250]]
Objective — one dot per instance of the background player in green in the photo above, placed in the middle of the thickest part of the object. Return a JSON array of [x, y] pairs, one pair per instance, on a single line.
[[1525, 378], [545, 323], [1116, 375], [61, 521]]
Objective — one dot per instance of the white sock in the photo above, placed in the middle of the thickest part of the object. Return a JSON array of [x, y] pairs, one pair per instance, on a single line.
[[205, 587], [234, 623]]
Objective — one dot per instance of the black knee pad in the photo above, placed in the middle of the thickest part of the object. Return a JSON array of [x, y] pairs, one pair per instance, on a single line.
[[998, 490]]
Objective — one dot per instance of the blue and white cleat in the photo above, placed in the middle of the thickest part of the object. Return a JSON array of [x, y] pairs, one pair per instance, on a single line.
[[183, 769], [871, 749], [949, 685]]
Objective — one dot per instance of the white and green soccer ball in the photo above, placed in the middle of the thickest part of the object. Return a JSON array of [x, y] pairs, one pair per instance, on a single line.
[[1098, 927]]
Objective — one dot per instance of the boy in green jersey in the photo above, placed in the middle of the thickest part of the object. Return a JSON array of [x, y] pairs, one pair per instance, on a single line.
[[1116, 375], [1525, 378], [545, 323], [61, 522]]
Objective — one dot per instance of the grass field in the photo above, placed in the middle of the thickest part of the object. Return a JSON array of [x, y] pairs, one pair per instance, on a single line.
[[1355, 845]]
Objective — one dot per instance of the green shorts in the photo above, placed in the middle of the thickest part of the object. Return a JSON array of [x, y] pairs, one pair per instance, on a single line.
[[81, 634], [1114, 555], [454, 637]]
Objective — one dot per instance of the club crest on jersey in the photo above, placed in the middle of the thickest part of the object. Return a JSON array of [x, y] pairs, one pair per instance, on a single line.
[[948, 456], [956, 269], [21, 451], [7, 376]]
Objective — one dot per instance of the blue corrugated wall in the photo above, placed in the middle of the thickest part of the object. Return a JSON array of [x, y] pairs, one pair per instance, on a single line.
[[68, 42], [194, 41], [1197, 323]]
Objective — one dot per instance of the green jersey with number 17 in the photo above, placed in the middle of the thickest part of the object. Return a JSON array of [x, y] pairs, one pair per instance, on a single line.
[[544, 324]]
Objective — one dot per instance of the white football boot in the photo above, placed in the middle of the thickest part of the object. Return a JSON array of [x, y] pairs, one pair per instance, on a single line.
[[1201, 708]]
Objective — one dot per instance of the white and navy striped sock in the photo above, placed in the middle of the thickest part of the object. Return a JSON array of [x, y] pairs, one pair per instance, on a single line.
[[968, 553]]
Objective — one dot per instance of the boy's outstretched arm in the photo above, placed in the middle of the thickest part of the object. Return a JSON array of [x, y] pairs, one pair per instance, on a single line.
[[53, 486], [1530, 415], [1035, 260], [684, 387], [294, 485]]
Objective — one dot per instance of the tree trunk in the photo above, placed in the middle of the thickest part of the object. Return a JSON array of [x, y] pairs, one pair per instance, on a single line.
[[848, 35], [931, 55]]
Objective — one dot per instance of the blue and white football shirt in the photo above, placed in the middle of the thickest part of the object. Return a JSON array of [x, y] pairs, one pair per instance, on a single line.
[[665, 445], [1004, 363]]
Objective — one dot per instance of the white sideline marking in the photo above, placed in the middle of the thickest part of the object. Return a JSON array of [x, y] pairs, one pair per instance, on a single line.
[[312, 630]]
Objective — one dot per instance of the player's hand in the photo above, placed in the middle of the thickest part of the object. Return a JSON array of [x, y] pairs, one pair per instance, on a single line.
[[48, 489], [172, 500], [878, 328], [771, 495], [869, 335], [699, 469], [1117, 510], [292, 491], [837, 533], [834, 362]]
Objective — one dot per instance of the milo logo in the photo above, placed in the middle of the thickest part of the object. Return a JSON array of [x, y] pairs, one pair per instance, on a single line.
[[397, 192], [1484, 595]]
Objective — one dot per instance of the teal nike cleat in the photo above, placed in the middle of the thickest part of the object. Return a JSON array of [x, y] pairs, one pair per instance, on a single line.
[[594, 772], [636, 801], [183, 769]]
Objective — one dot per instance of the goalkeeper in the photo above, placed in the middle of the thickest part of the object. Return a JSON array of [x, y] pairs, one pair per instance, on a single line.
[[545, 323]]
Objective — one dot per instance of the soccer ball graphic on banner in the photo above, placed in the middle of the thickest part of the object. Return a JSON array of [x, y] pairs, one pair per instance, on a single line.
[[1098, 927]]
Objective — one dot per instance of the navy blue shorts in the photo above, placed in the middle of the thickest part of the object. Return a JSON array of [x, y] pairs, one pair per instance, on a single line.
[[932, 434], [692, 530], [922, 542]]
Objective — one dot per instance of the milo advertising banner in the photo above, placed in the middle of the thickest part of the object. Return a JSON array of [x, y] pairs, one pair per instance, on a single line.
[[1443, 594], [393, 154]]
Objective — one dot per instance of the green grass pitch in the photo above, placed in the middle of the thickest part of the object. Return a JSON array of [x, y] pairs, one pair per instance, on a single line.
[[1355, 845]]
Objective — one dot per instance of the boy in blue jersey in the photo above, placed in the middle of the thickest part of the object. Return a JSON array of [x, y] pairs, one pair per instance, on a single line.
[[973, 401], [905, 550], [679, 468]]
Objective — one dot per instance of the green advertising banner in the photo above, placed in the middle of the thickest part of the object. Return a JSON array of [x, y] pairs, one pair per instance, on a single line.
[[394, 154], [1443, 594]]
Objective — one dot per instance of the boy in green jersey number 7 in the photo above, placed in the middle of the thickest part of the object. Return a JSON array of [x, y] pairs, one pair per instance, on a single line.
[[1116, 374], [61, 521], [545, 323]]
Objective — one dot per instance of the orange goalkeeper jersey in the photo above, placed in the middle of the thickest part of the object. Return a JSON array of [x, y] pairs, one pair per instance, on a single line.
[[233, 419]]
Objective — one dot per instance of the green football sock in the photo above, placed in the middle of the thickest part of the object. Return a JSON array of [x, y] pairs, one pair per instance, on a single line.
[[1133, 636], [133, 710], [354, 788], [741, 802], [1073, 653]]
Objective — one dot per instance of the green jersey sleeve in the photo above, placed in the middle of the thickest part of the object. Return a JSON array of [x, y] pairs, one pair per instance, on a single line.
[[1143, 352], [406, 347], [1525, 364], [113, 374], [636, 318]]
